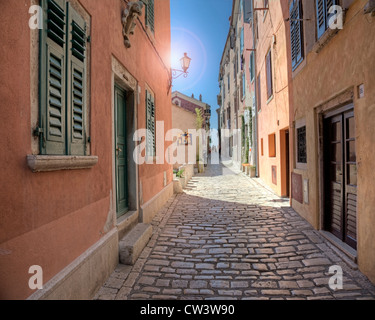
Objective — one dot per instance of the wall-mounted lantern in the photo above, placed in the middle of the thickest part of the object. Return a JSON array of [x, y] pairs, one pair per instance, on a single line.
[[185, 64]]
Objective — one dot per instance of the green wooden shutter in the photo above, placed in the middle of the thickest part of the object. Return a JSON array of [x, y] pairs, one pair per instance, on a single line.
[[150, 125], [52, 115], [76, 83], [296, 33], [153, 125], [150, 15]]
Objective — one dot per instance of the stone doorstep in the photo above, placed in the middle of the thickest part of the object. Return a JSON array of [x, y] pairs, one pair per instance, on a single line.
[[131, 246]]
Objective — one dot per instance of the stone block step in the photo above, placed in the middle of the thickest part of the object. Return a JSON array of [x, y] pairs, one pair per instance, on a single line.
[[134, 242]]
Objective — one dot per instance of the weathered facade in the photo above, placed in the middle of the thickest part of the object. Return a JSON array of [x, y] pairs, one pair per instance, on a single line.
[[73, 95], [333, 79]]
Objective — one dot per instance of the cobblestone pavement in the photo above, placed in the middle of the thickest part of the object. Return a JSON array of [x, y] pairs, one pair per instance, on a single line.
[[229, 237]]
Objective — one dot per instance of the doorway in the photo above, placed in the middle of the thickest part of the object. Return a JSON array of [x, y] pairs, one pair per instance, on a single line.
[[340, 176], [285, 166], [122, 202]]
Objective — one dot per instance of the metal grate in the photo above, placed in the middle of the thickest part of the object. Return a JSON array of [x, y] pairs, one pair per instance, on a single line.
[[301, 145]]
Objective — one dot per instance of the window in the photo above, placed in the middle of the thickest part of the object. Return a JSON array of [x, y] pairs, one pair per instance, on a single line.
[[62, 117], [236, 104], [259, 94], [269, 75], [261, 147], [301, 145], [247, 10], [242, 40], [150, 125], [228, 82], [265, 3], [228, 117], [296, 32], [243, 86], [272, 145], [235, 66], [322, 15], [150, 14], [252, 66]]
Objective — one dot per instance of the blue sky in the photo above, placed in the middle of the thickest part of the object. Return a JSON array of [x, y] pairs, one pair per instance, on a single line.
[[200, 28]]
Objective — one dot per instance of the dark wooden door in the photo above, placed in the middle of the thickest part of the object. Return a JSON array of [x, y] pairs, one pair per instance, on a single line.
[[121, 152], [340, 175]]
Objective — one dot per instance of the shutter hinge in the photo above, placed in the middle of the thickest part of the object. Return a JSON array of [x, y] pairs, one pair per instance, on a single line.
[[38, 132]]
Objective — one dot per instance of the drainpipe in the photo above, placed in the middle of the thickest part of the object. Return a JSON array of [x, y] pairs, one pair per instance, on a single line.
[[255, 94]]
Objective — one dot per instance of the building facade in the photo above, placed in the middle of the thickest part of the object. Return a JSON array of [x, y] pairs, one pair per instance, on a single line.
[[236, 97], [82, 77], [272, 86], [184, 109], [332, 69]]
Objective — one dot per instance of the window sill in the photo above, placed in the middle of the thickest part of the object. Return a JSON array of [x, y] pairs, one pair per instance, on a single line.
[[39, 163], [324, 39], [301, 166]]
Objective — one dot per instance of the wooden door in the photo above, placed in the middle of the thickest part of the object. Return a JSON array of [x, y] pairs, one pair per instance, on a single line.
[[121, 152], [340, 175]]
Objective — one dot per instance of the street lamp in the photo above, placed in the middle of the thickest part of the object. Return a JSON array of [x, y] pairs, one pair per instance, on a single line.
[[185, 64]]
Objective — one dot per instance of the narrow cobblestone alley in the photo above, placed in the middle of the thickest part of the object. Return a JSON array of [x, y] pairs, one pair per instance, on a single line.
[[229, 237]]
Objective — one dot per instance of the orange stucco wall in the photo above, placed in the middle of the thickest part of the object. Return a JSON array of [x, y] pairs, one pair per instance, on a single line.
[[50, 219], [274, 114]]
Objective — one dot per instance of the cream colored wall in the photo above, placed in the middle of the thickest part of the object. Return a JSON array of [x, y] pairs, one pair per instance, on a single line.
[[182, 119], [185, 121]]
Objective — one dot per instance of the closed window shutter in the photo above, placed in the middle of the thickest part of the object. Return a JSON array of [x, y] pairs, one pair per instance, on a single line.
[[321, 17], [252, 71], [247, 10], [150, 125], [76, 83], [52, 117], [232, 39], [269, 75], [242, 40], [296, 32], [329, 4], [150, 15], [243, 86], [153, 122]]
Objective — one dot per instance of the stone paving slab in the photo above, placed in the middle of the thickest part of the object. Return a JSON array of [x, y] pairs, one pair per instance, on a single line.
[[230, 237]]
